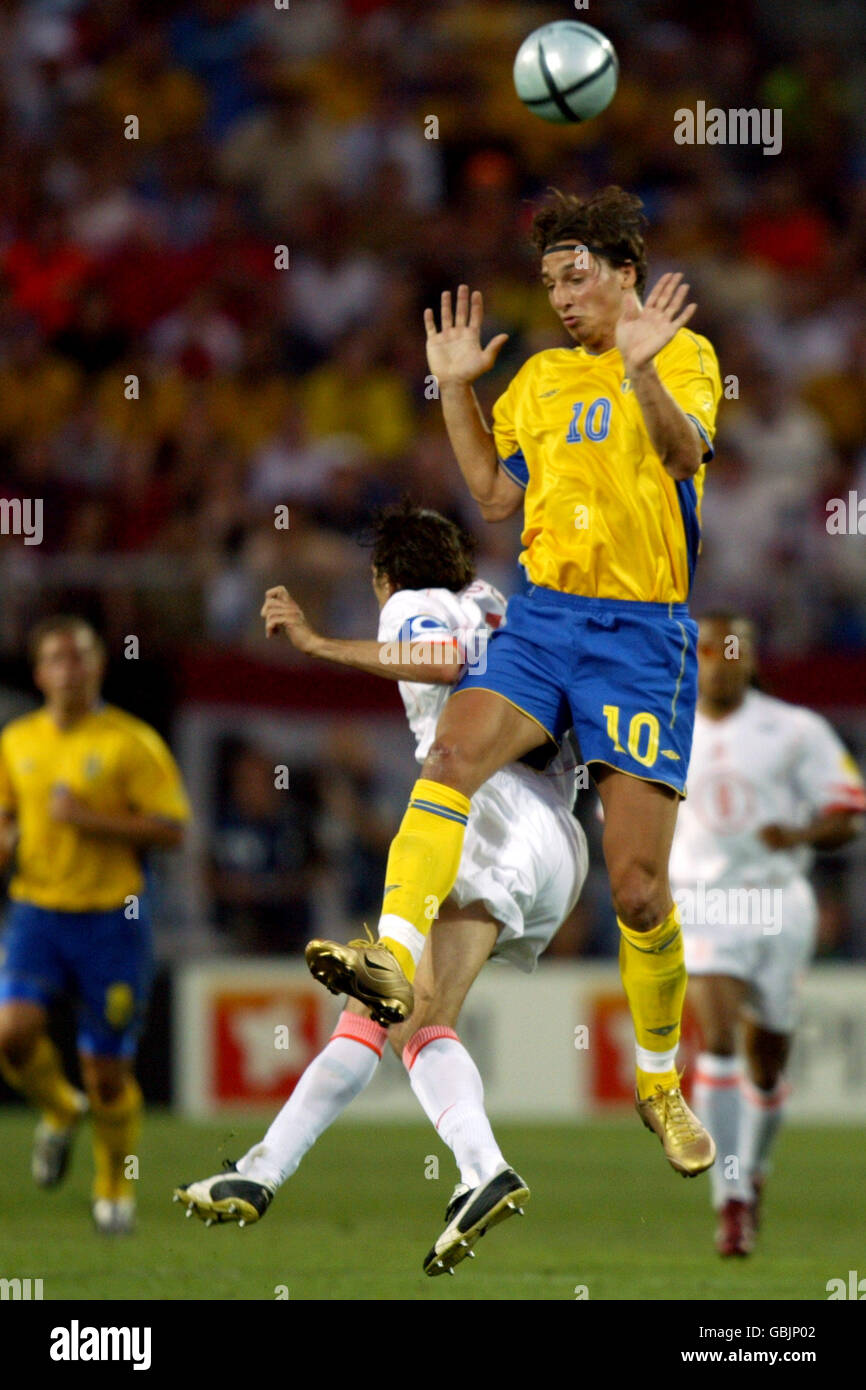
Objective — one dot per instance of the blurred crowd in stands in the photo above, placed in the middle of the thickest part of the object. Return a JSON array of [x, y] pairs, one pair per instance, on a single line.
[[282, 863], [220, 223], [381, 145]]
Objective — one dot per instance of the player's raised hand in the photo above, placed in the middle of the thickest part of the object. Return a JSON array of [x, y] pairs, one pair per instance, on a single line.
[[454, 352], [282, 614], [643, 330]]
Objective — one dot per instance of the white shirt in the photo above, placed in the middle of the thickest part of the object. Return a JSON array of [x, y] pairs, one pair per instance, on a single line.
[[766, 763], [438, 615]]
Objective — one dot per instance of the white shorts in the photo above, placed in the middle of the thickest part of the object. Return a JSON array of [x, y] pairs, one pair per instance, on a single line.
[[772, 962], [525, 858]]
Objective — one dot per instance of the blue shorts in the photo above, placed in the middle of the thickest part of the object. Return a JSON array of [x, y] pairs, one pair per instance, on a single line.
[[623, 674], [102, 959]]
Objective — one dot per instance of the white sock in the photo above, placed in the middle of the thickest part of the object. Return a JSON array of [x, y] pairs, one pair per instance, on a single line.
[[761, 1115], [716, 1099], [340, 1072], [398, 929], [448, 1084], [655, 1062]]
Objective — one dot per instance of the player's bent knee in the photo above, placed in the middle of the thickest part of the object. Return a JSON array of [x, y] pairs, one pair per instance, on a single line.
[[464, 759], [451, 765], [105, 1091], [640, 898], [104, 1079], [19, 1033]]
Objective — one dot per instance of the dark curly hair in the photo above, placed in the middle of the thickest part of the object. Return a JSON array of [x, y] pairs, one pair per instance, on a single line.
[[420, 549], [610, 223]]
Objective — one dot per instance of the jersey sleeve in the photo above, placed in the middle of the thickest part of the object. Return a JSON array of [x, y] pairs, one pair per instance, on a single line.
[[8, 801], [508, 450], [826, 774], [411, 615], [691, 374], [491, 603], [153, 783]]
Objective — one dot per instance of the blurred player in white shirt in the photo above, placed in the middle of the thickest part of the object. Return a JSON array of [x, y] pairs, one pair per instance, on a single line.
[[523, 865], [769, 783]]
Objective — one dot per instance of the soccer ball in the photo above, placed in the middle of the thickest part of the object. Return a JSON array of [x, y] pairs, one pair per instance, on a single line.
[[566, 71]]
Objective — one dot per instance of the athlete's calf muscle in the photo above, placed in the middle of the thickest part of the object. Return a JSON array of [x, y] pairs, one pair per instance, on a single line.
[[459, 944], [716, 1000], [639, 820], [766, 1054]]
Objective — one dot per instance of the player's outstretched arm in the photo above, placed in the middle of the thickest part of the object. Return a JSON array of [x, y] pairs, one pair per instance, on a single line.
[[432, 663], [137, 829], [641, 332], [456, 359], [829, 831]]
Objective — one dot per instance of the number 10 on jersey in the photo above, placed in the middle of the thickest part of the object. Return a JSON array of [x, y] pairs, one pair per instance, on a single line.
[[639, 722]]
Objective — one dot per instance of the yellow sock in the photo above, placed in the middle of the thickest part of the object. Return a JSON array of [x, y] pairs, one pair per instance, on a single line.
[[116, 1128], [42, 1081], [422, 868], [653, 970]]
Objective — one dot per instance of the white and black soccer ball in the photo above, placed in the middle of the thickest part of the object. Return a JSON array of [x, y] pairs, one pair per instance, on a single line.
[[566, 71]]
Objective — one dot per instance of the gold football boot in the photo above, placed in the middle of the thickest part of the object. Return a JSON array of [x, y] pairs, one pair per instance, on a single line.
[[368, 972], [689, 1147]]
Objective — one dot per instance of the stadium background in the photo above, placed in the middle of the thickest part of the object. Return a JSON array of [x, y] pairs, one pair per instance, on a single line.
[[307, 128]]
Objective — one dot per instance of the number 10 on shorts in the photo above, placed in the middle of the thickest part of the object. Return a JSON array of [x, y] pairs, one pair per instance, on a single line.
[[643, 721]]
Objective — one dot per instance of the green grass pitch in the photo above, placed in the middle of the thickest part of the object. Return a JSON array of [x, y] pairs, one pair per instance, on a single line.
[[358, 1217]]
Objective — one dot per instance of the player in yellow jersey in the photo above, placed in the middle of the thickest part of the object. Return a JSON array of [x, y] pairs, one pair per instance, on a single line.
[[603, 444], [85, 789]]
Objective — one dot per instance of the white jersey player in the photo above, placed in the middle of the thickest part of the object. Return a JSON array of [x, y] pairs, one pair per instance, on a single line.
[[524, 855], [523, 865], [769, 783]]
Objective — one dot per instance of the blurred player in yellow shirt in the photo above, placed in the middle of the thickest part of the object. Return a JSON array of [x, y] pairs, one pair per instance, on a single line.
[[85, 790]]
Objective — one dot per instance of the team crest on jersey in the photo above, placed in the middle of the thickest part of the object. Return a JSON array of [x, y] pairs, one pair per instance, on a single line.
[[92, 766]]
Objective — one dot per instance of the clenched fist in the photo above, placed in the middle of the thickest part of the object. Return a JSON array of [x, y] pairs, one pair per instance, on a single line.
[[282, 614]]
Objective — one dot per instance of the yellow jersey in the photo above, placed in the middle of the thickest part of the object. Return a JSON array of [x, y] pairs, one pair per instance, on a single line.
[[602, 517], [111, 761]]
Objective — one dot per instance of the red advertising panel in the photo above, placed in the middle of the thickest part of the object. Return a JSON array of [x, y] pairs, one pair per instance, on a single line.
[[262, 1039]]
